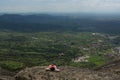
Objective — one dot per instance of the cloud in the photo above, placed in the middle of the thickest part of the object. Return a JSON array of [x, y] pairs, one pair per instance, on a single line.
[[60, 5]]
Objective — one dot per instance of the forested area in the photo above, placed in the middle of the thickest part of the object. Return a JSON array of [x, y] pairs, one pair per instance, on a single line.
[[59, 23], [18, 50]]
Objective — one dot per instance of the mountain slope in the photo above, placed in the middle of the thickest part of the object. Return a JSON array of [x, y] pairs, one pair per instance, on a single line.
[[110, 71], [113, 66], [44, 22], [66, 73], [6, 75]]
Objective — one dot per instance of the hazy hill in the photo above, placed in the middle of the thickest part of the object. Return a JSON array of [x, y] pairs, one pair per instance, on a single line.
[[45, 22]]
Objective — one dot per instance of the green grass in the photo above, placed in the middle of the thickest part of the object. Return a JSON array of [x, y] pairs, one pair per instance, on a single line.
[[11, 65], [98, 60], [83, 65], [94, 61], [21, 49]]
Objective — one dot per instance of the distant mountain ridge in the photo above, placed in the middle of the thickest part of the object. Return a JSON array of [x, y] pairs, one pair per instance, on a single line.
[[47, 22]]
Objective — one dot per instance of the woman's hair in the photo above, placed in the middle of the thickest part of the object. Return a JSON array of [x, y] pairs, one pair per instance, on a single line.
[[52, 69]]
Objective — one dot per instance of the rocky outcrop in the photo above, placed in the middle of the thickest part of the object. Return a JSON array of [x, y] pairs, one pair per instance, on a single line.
[[109, 71], [66, 73]]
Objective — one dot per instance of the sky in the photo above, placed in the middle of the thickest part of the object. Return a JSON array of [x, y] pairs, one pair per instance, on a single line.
[[60, 6]]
